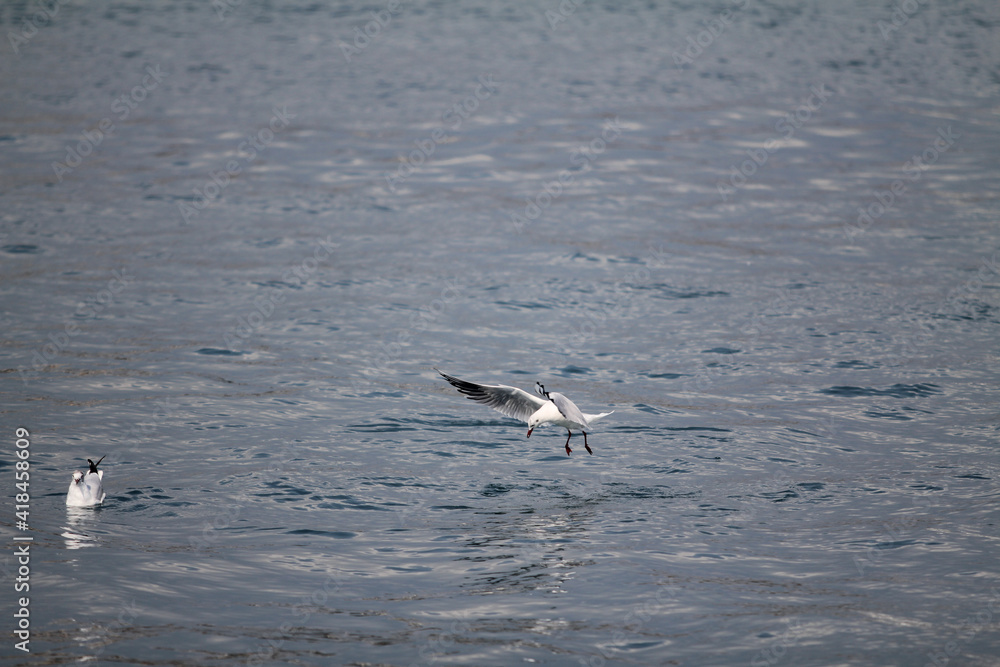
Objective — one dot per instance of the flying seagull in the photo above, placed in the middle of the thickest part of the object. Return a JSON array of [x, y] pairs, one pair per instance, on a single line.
[[85, 490], [548, 407]]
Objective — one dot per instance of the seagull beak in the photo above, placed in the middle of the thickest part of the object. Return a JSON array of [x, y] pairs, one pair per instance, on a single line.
[[529, 431]]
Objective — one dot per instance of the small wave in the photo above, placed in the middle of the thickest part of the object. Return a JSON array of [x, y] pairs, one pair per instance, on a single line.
[[336, 534], [663, 376], [854, 363], [220, 352], [21, 249], [895, 391]]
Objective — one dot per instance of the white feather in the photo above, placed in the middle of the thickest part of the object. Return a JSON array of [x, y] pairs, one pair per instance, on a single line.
[[86, 490]]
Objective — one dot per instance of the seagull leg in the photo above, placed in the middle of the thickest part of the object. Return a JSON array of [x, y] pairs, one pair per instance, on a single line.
[[585, 443], [568, 450]]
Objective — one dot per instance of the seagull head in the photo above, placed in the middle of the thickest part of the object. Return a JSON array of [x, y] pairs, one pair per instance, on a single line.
[[533, 421], [77, 476]]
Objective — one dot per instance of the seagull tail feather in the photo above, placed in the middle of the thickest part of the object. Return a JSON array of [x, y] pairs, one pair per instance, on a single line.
[[593, 418]]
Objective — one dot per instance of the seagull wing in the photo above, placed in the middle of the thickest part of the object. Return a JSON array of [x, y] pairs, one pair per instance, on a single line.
[[568, 408], [510, 401]]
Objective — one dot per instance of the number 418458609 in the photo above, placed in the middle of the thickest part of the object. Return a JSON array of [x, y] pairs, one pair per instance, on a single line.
[[22, 477]]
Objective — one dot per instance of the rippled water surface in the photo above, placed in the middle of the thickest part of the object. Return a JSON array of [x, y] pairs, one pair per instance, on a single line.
[[236, 239]]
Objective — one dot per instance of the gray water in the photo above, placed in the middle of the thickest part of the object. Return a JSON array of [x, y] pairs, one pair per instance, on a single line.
[[765, 234]]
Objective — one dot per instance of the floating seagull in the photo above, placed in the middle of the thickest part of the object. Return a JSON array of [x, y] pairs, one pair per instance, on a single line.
[[85, 490], [546, 408]]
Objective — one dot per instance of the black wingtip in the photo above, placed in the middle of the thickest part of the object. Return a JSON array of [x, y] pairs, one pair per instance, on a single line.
[[470, 390], [460, 384], [93, 466]]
